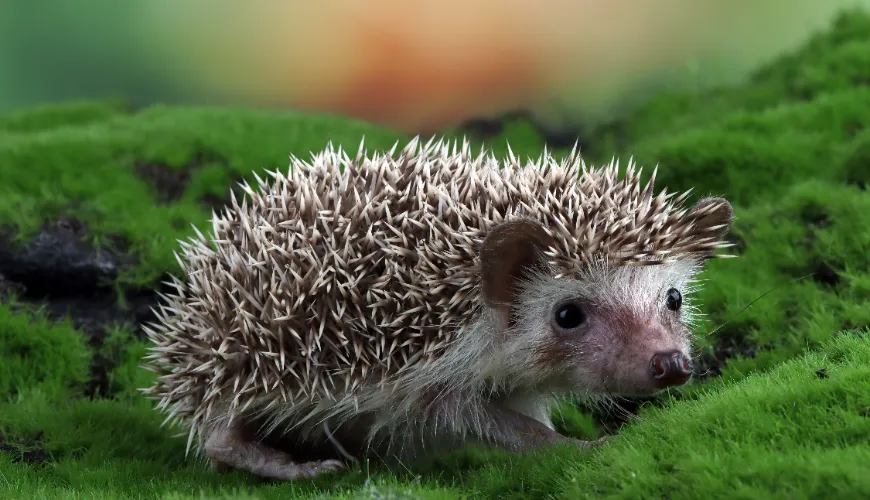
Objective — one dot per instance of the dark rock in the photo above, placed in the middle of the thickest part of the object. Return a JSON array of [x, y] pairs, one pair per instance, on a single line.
[[732, 342], [815, 216], [58, 261], [483, 128], [61, 272], [554, 137], [170, 183], [27, 450], [620, 412], [710, 364], [560, 138], [824, 274]]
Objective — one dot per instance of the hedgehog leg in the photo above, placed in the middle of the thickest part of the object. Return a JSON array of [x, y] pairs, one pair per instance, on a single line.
[[229, 447], [536, 410], [517, 432]]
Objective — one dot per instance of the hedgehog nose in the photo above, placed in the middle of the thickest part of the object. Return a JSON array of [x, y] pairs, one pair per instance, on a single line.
[[671, 368]]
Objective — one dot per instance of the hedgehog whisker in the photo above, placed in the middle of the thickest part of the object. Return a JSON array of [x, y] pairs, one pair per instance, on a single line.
[[338, 447], [756, 300], [621, 410]]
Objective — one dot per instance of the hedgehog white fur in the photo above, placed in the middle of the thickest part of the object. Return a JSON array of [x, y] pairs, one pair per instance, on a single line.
[[425, 298]]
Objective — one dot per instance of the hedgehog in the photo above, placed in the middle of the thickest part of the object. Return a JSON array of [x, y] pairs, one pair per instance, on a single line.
[[399, 304]]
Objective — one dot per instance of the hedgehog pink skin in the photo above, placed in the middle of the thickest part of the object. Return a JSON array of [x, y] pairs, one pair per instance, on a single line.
[[425, 298]]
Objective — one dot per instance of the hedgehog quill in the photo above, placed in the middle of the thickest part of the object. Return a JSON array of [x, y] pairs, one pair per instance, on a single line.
[[405, 303]]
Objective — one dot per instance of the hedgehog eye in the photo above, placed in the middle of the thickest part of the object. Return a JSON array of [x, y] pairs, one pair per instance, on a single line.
[[674, 299], [568, 316]]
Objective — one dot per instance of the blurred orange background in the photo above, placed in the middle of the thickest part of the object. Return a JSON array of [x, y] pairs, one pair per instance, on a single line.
[[421, 65], [411, 65]]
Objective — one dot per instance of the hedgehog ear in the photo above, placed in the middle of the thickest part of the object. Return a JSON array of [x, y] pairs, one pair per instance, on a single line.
[[508, 251], [714, 214]]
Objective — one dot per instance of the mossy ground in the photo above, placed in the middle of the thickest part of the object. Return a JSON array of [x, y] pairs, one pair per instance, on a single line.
[[786, 416]]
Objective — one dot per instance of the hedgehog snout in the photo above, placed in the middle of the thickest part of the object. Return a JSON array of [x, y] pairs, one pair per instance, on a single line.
[[640, 354], [670, 368], [662, 358]]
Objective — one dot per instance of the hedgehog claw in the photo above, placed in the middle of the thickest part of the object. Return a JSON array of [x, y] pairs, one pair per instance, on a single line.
[[326, 466], [588, 445], [308, 470]]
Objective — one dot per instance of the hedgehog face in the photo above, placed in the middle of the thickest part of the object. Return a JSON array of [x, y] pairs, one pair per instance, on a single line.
[[619, 331], [614, 329]]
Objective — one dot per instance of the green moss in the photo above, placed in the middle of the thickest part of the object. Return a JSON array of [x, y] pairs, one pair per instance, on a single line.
[[69, 114], [572, 423], [856, 161], [755, 155], [35, 353], [126, 353]]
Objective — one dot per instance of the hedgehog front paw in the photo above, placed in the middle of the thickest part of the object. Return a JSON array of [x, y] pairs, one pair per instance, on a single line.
[[230, 448]]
